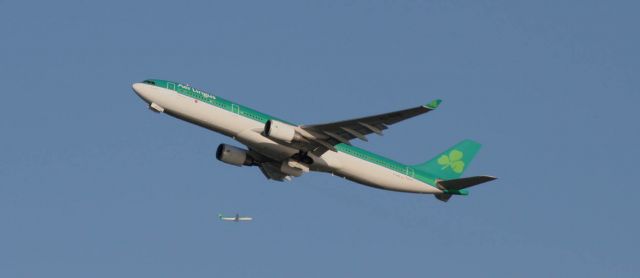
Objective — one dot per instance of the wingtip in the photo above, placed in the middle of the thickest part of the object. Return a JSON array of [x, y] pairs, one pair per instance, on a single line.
[[433, 104]]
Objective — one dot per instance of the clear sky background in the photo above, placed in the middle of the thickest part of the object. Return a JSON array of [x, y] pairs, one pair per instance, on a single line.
[[93, 184]]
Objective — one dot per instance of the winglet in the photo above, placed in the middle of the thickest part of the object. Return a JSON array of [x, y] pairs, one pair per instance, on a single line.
[[433, 104]]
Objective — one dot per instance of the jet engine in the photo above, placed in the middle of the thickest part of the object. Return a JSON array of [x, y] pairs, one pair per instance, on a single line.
[[281, 131], [234, 155]]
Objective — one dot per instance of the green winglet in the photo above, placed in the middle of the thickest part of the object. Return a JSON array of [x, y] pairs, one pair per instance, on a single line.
[[433, 104]]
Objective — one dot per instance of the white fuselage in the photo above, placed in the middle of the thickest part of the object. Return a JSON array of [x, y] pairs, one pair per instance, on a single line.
[[250, 133]]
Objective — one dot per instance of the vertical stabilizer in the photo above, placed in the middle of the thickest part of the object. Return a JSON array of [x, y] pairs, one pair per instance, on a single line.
[[451, 163]]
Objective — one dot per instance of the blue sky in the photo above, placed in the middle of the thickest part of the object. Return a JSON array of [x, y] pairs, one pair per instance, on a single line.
[[92, 184]]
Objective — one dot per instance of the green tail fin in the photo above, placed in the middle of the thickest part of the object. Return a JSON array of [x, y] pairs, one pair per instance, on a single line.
[[451, 163]]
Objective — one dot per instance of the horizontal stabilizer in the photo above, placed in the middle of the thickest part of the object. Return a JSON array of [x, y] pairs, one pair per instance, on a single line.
[[459, 184]]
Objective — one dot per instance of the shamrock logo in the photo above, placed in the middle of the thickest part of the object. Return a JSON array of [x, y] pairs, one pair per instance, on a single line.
[[453, 160]]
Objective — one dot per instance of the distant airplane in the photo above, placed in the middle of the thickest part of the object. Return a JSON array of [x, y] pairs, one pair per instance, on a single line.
[[283, 150], [237, 218]]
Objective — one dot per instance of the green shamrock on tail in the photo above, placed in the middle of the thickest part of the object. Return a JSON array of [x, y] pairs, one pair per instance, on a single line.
[[452, 160]]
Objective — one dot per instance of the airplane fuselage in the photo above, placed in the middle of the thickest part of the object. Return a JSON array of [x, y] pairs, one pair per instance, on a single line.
[[247, 125]]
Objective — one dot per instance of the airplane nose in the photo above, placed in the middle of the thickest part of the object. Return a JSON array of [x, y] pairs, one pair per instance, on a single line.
[[142, 90], [137, 88]]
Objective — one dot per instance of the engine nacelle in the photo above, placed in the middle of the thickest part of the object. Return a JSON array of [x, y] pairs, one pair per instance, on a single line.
[[281, 131], [233, 155]]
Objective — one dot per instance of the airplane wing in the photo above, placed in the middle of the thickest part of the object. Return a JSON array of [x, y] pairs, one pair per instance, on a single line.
[[323, 137], [330, 134]]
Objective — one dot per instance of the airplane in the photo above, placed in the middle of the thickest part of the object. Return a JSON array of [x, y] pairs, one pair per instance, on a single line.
[[237, 218], [282, 150]]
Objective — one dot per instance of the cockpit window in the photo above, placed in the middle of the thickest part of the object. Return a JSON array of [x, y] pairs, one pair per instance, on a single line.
[[149, 82]]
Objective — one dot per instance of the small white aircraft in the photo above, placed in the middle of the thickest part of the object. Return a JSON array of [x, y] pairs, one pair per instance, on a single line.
[[237, 218]]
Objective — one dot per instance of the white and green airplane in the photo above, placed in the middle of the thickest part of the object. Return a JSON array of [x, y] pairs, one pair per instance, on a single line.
[[283, 150]]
